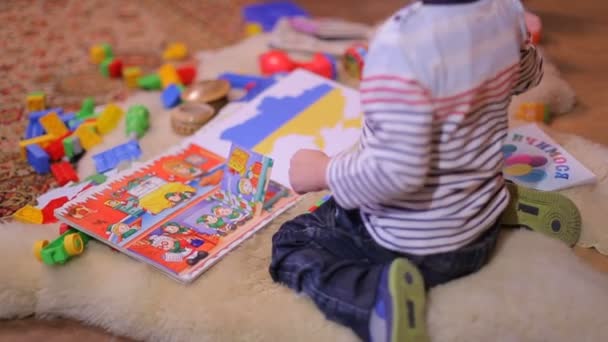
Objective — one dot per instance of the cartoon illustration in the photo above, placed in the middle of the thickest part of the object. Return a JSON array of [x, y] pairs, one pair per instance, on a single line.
[[129, 206], [120, 231], [79, 212], [175, 251], [223, 219], [182, 169], [166, 196]]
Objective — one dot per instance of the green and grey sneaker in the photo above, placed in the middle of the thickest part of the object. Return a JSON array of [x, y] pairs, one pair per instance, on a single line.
[[400, 309], [549, 213]]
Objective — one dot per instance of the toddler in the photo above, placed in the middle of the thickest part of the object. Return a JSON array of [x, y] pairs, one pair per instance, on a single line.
[[419, 201]]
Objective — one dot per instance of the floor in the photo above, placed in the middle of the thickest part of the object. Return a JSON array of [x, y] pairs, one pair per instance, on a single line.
[[573, 31]]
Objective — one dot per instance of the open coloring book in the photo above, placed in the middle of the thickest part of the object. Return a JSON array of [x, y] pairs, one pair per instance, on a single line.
[[182, 211]]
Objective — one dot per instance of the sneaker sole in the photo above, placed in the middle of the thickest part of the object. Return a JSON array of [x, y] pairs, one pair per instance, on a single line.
[[408, 296], [546, 212]]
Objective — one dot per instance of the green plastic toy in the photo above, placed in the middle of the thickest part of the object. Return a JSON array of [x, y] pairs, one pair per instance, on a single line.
[[150, 82], [137, 121], [87, 110], [59, 251]]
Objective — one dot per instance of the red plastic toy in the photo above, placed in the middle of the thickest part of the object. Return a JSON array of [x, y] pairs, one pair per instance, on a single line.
[[274, 61], [187, 74], [64, 172]]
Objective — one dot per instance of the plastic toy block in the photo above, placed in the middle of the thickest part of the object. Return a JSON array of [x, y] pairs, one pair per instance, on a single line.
[[29, 214], [150, 82], [74, 124], [34, 129], [131, 75], [99, 52], [88, 138], [104, 66], [137, 121], [64, 173], [35, 101], [90, 124], [55, 150], [35, 116], [168, 75], [42, 140], [38, 158], [87, 109], [267, 14], [175, 51], [48, 212], [53, 125], [109, 118], [68, 146], [77, 146], [66, 117], [187, 74], [59, 251], [110, 159], [171, 96], [115, 68], [252, 29], [97, 178], [534, 112]]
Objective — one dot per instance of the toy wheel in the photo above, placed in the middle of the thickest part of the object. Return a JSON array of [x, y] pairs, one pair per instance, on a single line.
[[38, 247], [73, 244]]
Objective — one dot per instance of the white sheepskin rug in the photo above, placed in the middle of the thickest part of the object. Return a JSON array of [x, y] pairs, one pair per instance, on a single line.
[[534, 288]]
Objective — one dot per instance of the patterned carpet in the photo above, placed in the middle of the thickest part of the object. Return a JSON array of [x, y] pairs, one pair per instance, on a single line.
[[45, 47]]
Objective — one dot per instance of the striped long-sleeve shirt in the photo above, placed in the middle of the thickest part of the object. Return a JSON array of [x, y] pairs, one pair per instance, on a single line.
[[438, 79]]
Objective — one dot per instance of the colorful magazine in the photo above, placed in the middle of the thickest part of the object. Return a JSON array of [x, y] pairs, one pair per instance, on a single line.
[[182, 211], [535, 160]]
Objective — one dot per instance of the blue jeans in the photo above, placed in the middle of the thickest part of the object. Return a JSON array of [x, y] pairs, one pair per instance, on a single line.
[[330, 256]]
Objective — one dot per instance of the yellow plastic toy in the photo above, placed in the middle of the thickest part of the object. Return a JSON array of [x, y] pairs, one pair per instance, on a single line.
[[42, 140], [168, 75], [88, 138], [533, 111], [35, 101], [175, 51], [98, 53], [161, 199], [29, 214], [131, 75], [53, 125], [109, 118], [252, 29]]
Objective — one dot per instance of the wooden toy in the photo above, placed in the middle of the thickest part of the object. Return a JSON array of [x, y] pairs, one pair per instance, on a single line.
[[109, 118], [168, 75], [35, 101], [29, 214], [276, 61], [53, 125], [211, 92], [188, 117], [131, 76], [175, 51], [533, 112]]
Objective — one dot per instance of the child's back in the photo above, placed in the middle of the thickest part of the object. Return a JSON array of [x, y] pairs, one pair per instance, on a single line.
[[435, 91]]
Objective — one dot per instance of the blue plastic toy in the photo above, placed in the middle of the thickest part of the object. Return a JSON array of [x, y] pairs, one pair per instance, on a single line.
[[267, 14], [34, 128], [171, 96], [38, 158], [110, 159]]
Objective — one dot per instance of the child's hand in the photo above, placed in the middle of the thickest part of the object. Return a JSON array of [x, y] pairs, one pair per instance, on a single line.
[[307, 171]]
